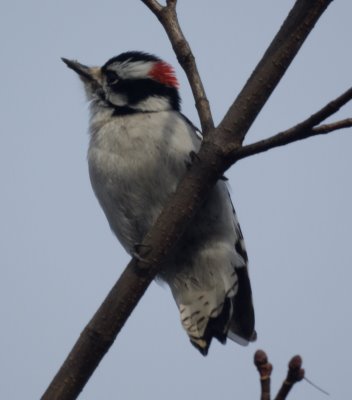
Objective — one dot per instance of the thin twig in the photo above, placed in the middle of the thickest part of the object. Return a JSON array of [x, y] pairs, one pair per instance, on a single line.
[[264, 368], [302, 130], [289, 136], [168, 17], [294, 374], [334, 126]]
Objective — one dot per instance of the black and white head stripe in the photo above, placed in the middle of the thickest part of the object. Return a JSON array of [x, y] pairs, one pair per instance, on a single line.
[[140, 76], [131, 65]]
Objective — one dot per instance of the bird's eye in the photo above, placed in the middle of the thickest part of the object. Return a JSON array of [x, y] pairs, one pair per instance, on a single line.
[[111, 77]]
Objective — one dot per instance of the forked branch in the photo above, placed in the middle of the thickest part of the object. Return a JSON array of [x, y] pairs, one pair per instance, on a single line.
[[303, 130], [295, 374]]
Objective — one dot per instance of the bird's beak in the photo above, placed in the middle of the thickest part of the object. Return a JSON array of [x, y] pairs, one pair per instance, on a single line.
[[87, 74]]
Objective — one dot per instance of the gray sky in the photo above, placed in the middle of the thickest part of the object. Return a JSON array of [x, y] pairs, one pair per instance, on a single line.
[[59, 258]]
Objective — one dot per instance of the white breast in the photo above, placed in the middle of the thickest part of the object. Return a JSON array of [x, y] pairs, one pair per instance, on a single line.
[[135, 163]]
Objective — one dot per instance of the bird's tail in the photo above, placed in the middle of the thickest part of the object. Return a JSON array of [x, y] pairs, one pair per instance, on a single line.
[[241, 329], [226, 310]]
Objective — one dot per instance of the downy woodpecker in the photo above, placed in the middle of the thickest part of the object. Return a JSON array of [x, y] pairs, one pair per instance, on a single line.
[[140, 144]]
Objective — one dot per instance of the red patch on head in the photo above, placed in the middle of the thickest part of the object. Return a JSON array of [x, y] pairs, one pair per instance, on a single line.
[[164, 73]]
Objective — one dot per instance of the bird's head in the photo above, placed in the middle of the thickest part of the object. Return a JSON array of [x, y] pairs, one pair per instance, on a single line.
[[131, 82]]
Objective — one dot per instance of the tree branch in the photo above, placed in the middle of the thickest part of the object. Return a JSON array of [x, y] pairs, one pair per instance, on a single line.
[[168, 17], [334, 126], [264, 368], [294, 374], [300, 131], [207, 168], [270, 69], [289, 136]]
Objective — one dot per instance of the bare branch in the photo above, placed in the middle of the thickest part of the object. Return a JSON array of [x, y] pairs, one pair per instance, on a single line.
[[334, 126], [264, 369], [295, 374], [302, 130], [168, 18], [290, 136], [270, 69]]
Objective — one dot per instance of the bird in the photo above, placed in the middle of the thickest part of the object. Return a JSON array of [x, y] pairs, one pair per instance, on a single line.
[[140, 147]]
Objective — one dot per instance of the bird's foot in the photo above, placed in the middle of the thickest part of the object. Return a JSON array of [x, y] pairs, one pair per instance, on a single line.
[[141, 251], [194, 156]]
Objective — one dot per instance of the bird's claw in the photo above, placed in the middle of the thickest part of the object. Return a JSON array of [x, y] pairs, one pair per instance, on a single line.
[[194, 156], [137, 250]]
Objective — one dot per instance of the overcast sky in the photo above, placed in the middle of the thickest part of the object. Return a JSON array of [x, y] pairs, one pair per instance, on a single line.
[[59, 258]]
